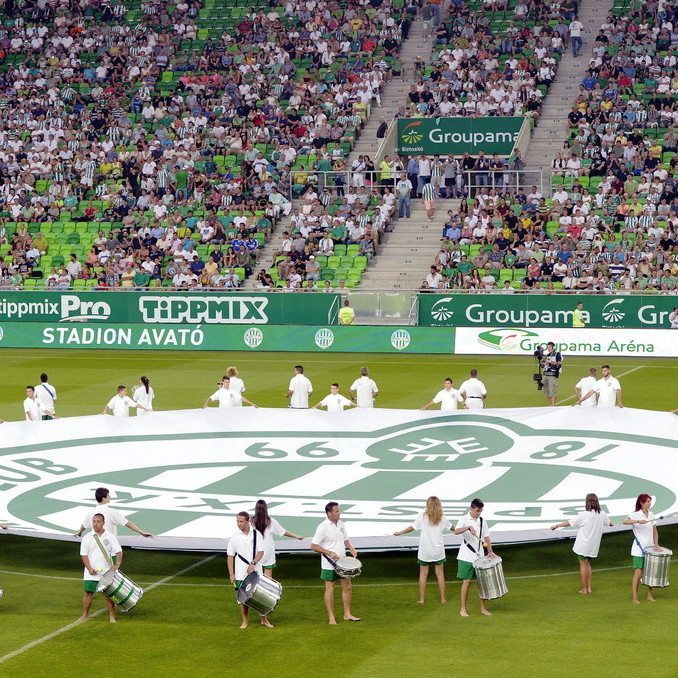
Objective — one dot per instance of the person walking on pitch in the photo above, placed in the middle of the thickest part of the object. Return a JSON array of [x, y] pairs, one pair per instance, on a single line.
[[431, 524]]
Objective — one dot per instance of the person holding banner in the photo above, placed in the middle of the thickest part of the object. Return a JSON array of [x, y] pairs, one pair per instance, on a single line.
[[476, 537], [100, 551], [331, 541], [645, 535], [244, 554], [112, 516], [269, 527], [46, 394], [431, 523], [587, 544]]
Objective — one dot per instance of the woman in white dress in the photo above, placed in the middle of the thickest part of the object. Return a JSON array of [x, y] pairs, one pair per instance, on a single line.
[[269, 527], [144, 395], [587, 544], [431, 524], [645, 536]]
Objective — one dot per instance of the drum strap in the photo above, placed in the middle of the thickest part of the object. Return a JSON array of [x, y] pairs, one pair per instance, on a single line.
[[109, 560], [642, 550], [480, 543], [254, 551]]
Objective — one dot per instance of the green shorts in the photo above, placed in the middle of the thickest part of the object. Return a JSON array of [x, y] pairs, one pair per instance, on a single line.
[[89, 585], [465, 570], [328, 575], [47, 417], [424, 563], [238, 583], [269, 567], [638, 562], [582, 558]]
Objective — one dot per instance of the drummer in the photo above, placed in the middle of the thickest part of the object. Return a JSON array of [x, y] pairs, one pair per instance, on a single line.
[[431, 524], [100, 551], [475, 537], [330, 539], [244, 553], [269, 527], [645, 535]]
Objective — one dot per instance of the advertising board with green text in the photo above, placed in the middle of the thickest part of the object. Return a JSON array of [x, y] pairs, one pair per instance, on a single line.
[[538, 310], [445, 136]]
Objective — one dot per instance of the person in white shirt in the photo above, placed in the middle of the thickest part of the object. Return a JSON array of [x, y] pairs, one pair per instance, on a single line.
[[364, 390], [32, 405], [144, 395], [235, 384], [226, 397], [448, 398], [244, 553], [645, 537], [431, 524], [608, 390], [334, 401], [269, 527], [476, 537], [474, 392], [587, 544], [100, 551], [299, 389], [119, 404], [46, 394], [586, 385], [575, 29], [113, 517], [331, 541]]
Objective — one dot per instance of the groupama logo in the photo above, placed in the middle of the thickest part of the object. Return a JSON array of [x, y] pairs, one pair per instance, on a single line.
[[612, 311], [504, 339], [411, 135], [440, 310]]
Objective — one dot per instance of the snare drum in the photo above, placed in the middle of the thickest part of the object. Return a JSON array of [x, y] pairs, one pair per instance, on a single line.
[[259, 592], [120, 589], [348, 568], [490, 576], [656, 567]]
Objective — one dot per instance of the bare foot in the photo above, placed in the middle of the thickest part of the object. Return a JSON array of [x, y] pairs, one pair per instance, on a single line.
[[584, 593], [333, 622], [113, 620], [83, 618], [421, 602], [463, 613], [243, 625], [651, 600], [487, 613], [635, 601], [266, 623], [443, 601], [350, 617]]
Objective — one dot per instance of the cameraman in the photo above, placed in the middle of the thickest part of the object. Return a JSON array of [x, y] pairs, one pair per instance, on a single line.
[[551, 363]]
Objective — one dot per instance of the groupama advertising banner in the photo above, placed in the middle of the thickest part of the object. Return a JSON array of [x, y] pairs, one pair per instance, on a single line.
[[445, 136], [184, 475]]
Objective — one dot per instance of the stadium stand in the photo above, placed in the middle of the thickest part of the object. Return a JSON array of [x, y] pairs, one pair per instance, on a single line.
[[155, 144], [612, 220]]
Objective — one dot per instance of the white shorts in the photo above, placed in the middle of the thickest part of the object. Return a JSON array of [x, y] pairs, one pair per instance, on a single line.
[[475, 403]]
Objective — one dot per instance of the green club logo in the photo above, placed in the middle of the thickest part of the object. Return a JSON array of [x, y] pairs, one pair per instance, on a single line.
[[612, 312], [411, 135], [324, 338]]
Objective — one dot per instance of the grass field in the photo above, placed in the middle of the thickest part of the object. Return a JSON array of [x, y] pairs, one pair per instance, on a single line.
[[189, 626], [86, 380], [187, 623]]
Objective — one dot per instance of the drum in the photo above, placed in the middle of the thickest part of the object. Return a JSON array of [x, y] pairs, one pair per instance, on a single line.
[[120, 589], [490, 576], [348, 568], [656, 567], [259, 592]]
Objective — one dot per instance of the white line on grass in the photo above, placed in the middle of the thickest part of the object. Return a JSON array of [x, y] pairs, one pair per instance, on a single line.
[[318, 585], [623, 374], [72, 625]]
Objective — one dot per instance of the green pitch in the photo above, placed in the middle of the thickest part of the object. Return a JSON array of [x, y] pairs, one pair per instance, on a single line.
[[189, 625], [86, 380]]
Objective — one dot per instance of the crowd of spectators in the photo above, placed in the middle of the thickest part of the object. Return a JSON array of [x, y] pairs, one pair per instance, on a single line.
[[161, 151], [611, 223]]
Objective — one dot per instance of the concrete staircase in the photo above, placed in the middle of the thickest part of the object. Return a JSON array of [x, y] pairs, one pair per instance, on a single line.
[[395, 92], [551, 132], [408, 250]]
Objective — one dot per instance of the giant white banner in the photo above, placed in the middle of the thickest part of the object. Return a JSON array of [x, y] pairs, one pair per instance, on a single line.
[[573, 341], [184, 475]]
